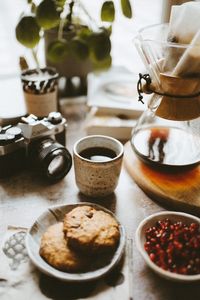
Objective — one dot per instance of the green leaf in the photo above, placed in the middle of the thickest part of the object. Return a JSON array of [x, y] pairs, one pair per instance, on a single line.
[[108, 11], [60, 4], [103, 64], [126, 8], [33, 8], [28, 32], [85, 33], [109, 30], [57, 51], [79, 48], [47, 15], [100, 45]]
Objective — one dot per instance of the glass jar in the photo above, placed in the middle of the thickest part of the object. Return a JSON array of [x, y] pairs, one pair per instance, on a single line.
[[167, 135]]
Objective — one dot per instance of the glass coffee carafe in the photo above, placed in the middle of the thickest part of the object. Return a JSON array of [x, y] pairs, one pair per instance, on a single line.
[[167, 135]]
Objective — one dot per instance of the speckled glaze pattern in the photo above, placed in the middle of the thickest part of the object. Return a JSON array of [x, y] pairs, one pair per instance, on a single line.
[[96, 179]]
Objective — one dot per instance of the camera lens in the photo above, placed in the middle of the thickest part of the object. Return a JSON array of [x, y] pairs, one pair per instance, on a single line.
[[58, 164], [53, 159]]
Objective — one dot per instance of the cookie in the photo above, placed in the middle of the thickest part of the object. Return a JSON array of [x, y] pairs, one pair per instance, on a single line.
[[55, 251], [91, 230]]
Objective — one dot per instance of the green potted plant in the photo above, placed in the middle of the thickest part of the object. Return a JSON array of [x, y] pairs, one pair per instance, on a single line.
[[74, 43]]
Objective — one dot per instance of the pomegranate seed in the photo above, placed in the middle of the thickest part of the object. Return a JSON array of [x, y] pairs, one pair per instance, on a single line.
[[152, 256], [174, 246]]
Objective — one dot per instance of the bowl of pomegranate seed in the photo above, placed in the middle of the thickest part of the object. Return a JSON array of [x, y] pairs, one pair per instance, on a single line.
[[170, 244]]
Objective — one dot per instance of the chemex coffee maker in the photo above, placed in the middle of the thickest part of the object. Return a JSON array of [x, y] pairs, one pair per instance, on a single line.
[[163, 156], [167, 135]]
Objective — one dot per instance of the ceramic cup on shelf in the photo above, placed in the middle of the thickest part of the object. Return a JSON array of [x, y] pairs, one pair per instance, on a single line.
[[97, 164], [40, 90]]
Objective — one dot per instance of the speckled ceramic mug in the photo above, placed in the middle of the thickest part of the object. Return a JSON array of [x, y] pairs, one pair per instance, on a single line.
[[97, 178]]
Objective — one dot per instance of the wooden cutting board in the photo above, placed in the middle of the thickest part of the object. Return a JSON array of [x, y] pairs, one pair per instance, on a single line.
[[179, 191]]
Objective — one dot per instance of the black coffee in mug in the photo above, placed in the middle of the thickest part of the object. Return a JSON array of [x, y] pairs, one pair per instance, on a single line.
[[99, 154]]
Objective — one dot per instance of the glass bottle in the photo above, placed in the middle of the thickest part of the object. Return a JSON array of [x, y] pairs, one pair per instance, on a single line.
[[167, 135]]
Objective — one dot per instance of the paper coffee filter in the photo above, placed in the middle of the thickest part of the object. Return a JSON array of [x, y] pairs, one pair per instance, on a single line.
[[184, 28], [184, 22], [181, 72], [171, 54], [189, 63]]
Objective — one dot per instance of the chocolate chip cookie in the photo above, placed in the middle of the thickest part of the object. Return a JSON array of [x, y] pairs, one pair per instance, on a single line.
[[91, 230], [55, 251]]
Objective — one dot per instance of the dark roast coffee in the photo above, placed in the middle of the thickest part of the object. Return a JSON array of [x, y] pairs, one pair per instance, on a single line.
[[167, 147], [100, 154]]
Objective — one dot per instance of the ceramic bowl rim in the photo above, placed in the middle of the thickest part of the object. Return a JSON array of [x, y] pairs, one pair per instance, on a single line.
[[78, 277], [152, 265]]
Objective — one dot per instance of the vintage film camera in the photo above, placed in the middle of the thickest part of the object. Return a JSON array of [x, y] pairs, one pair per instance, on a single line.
[[36, 144]]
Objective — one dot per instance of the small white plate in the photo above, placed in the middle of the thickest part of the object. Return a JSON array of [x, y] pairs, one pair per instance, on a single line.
[[140, 240], [55, 214]]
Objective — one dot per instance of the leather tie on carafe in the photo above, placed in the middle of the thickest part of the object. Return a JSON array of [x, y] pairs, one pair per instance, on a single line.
[[179, 97]]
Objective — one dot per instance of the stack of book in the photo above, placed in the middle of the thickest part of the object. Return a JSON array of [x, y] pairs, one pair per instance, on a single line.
[[113, 102]]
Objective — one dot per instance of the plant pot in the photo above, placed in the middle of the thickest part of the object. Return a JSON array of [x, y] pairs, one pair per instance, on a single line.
[[70, 66], [41, 105], [40, 91]]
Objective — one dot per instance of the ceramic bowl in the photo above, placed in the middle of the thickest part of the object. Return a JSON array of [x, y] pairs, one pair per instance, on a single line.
[[140, 240], [55, 214]]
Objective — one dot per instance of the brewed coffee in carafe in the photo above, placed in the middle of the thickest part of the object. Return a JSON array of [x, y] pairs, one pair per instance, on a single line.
[[167, 135]]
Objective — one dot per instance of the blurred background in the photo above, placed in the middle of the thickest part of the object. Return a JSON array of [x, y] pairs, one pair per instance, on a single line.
[[123, 52]]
